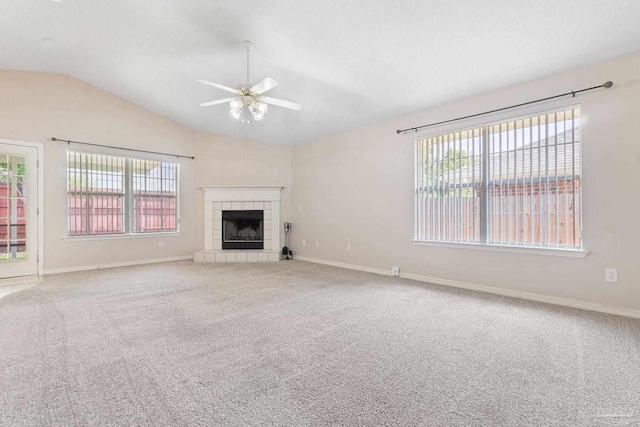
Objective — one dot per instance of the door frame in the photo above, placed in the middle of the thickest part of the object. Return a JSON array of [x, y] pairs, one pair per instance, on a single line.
[[40, 196]]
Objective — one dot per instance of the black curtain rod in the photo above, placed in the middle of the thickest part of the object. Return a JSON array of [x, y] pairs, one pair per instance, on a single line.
[[121, 148], [606, 85]]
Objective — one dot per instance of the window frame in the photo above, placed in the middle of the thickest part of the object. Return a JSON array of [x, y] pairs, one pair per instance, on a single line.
[[128, 197], [485, 185]]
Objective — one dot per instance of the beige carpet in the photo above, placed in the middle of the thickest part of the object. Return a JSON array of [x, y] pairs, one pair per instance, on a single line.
[[295, 343]]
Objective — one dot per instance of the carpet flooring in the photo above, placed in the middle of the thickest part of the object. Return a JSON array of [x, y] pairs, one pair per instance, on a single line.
[[295, 343]]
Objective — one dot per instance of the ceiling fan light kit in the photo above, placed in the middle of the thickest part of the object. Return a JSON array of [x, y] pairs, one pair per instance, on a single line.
[[248, 101]]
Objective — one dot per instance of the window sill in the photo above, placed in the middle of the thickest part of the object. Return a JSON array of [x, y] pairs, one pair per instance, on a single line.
[[571, 253], [119, 236]]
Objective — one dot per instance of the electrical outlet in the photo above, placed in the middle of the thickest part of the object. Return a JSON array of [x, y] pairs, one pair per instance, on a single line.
[[395, 271], [300, 208], [304, 242], [161, 244], [348, 247], [611, 275], [317, 243]]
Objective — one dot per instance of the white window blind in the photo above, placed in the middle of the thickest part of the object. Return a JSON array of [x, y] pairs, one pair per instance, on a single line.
[[95, 194], [117, 195], [155, 192], [514, 183]]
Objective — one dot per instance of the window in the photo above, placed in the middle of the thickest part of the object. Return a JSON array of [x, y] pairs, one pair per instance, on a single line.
[[154, 196], [513, 183], [118, 195], [13, 200]]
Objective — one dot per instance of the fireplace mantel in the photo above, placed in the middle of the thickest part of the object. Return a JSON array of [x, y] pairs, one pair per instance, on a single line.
[[241, 193], [240, 197]]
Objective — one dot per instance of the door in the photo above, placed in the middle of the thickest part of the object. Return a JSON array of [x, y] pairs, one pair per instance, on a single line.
[[18, 211]]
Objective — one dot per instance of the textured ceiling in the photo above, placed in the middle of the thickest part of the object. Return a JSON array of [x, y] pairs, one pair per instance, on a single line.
[[349, 63]]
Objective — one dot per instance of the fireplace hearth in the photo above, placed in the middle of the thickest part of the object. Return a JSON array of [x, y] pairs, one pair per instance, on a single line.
[[242, 229]]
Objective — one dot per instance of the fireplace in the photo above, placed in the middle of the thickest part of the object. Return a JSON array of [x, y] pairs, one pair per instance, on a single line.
[[224, 198], [242, 229]]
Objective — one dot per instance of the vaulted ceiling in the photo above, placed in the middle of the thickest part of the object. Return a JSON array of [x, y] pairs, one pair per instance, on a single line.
[[349, 63]]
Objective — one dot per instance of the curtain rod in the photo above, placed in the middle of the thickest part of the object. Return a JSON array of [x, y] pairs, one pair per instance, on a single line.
[[121, 148], [573, 93]]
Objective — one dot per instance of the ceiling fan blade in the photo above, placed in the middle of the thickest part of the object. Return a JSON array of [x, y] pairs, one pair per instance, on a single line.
[[219, 101], [281, 103], [265, 85], [219, 86]]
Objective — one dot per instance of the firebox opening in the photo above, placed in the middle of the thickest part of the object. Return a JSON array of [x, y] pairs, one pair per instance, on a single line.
[[242, 229]]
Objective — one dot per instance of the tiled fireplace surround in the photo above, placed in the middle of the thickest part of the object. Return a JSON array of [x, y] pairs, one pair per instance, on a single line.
[[222, 198]]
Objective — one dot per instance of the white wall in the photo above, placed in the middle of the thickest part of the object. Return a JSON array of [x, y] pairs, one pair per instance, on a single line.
[[37, 106], [358, 188], [232, 161]]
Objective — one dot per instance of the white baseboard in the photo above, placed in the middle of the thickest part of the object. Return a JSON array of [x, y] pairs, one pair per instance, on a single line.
[[115, 264], [488, 289], [344, 265]]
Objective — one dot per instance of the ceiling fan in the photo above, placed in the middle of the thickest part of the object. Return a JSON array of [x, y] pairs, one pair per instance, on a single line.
[[249, 101]]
